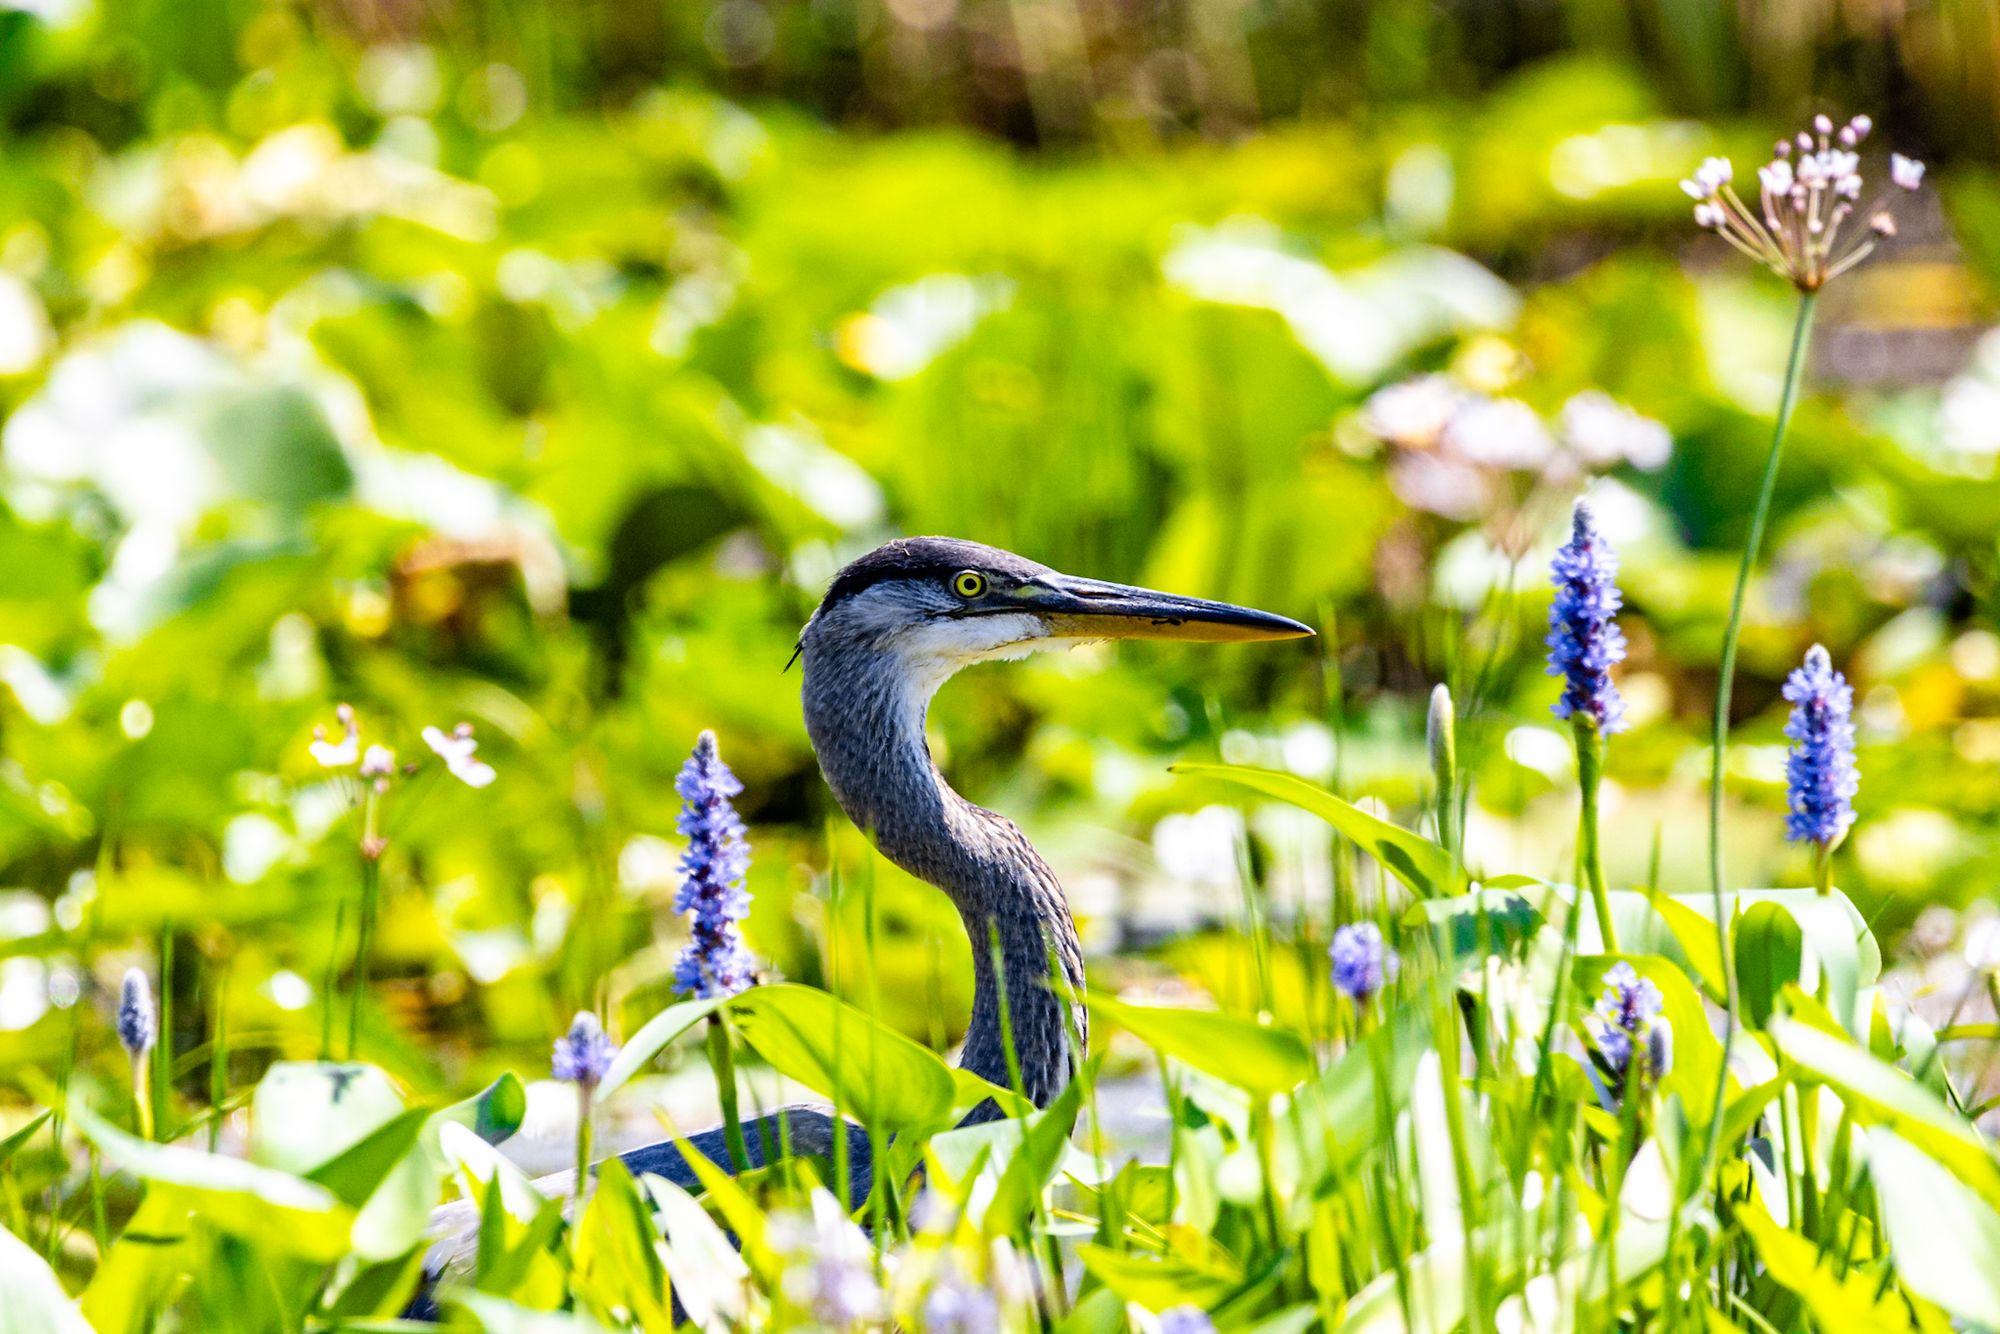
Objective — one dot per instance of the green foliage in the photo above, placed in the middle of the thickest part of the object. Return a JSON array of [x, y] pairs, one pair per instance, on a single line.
[[487, 377]]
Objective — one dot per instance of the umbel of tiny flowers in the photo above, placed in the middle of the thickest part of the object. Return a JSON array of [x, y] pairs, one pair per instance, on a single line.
[[1807, 193], [138, 1029], [1629, 1018], [1820, 777], [582, 1057], [1363, 963], [1584, 643]]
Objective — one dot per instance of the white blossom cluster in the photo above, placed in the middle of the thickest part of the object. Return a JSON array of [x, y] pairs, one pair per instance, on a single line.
[[1455, 447], [1806, 193]]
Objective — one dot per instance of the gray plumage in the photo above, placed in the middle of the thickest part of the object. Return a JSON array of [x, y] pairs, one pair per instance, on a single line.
[[893, 627]]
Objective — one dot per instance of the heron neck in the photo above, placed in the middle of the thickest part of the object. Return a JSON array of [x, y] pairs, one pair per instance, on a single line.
[[866, 720]]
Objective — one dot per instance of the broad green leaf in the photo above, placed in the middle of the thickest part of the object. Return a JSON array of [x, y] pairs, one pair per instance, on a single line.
[[617, 1273], [13, 1143], [32, 1300], [1339, 1117], [1159, 1282], [305, 1113], [653, 1038], [1770, 954], [1099, 1312], [739, 1211], [1695, 934], [1883, 1095], [494, 1113], [1484, 922], [1238, 1051], [1033, 1164], [260, 1204], [970, 1090], [709, 1277], [354, 1173], [143, 1266], [1839, 1305], [499, 1316], [1416, 861], [871, 1072], [1945, 1239], [393, 1180]]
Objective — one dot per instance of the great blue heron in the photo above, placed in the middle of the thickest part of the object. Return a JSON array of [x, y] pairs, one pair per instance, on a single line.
[[893, 627]]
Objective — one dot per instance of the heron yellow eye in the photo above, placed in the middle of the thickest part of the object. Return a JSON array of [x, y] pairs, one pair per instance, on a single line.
[[968, 583]]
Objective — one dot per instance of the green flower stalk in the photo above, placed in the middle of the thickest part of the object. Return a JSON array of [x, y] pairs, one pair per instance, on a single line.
[[1441, 742], [377, 772], [582, 1057], [1807, 191]]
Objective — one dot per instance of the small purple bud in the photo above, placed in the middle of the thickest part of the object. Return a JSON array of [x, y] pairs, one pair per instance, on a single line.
[[1362, 963], [138, 1023], [584, 1054]]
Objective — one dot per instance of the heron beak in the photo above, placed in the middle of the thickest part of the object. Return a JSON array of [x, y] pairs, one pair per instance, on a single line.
[[1091, 609]]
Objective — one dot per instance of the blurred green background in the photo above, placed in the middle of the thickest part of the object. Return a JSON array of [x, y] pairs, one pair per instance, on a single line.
[[535, 365]]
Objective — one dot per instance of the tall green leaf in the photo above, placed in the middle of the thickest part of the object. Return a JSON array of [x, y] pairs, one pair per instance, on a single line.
[[32, 1300], [870, 1070], [1416, 861], [1236, 1050], [262, 1205], [1944, 1238]]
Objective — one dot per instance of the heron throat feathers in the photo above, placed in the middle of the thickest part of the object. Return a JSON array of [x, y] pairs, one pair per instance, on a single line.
[[865, 709]]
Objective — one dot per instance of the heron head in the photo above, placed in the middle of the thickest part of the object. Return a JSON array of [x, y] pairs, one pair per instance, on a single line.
[[940, 603]]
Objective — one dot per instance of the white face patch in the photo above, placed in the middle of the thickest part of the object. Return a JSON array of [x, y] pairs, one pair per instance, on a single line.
[[912, 621]]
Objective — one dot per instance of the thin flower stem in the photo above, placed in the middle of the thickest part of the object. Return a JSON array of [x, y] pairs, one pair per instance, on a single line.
[[142, 1091], [583, 1129], [364, 942], [1724, 689], [722, 1058], [1589, 773], [1823, 868]]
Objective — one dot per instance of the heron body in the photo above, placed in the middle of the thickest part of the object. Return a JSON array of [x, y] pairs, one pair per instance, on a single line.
[[894, 626]]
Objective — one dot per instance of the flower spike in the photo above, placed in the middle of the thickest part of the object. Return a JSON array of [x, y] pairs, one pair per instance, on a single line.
[[718, 855], [1584, 639]]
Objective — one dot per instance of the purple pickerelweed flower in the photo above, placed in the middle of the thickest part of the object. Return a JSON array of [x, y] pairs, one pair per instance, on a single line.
[[138, 1022], [1584, 640], [584, 1054], [1820, 774], [1185, 1320], [1630, 1016], [1362, 963], [715, 962], [958, 1305]]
